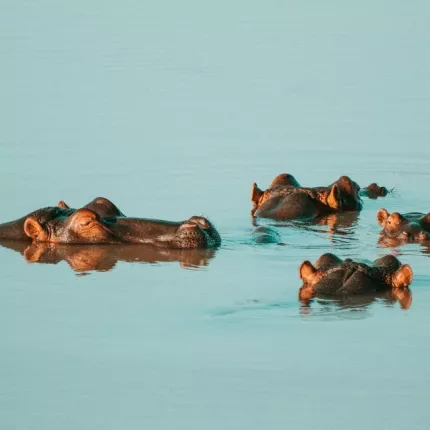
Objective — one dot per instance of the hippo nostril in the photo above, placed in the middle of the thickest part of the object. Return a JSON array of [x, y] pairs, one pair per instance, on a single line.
[[188, 226], [201, 222]]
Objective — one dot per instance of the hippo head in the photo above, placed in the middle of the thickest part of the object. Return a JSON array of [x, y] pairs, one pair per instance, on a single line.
[[409, 227], [332, 275], [343, 195], [81, 226], [373, 191]]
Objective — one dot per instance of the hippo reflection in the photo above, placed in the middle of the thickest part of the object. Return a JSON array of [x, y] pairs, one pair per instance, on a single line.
[[101, 222], [332, 277], [286, 199], [403, 228], [84, 258], [335, 225], [358, 302]]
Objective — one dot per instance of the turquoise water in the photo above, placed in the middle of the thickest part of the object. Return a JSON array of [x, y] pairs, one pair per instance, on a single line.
[[172, 109]]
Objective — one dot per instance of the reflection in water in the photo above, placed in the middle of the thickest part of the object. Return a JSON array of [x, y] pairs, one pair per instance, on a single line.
[[347, 307], [359, 302], [385, 241], [342, 223], [340, 227], [84, 258]]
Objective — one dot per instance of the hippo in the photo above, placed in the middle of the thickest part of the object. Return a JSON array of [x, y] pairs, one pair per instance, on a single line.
[[263, 234], [286, 199], [403, 228], [331, 276], [373, 191], [61, 224], [84, 258]]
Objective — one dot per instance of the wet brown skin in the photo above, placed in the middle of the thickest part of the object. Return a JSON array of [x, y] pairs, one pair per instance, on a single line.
[[14, 230], [71, 226], [286, 199], [373, 191], [84, 258], [100, 205], [404, 228], [333, 277]]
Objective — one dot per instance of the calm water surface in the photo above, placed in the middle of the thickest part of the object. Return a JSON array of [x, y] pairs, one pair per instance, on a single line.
[[172, 109]]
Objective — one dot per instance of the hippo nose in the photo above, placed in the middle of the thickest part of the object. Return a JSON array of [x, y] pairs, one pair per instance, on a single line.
[[201, 222]]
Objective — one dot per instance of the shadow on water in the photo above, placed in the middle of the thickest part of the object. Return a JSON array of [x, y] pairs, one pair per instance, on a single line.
[[102, 258]]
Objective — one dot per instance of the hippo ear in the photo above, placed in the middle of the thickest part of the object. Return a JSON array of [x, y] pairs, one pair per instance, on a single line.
[[382, 216], [425, 220], [333, 198], [63, 205], [307, 272], [402, 277], [256, 193], [34, 230]]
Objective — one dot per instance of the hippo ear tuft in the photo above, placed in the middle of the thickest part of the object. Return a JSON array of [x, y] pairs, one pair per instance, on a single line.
[[63, 205], [307, 272], [34, 230], [382, 216], [403, 276], [333, 199]]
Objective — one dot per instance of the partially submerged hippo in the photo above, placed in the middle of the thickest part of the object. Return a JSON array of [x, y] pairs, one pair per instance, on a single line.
[[263, 234], [99, 225], [286, 199], [409, 227], [84, 258], [373, 191], [330, 276]]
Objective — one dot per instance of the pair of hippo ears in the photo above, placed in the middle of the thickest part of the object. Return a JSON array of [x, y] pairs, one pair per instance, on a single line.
[[401, 278], [383, 216], [79, 220]]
